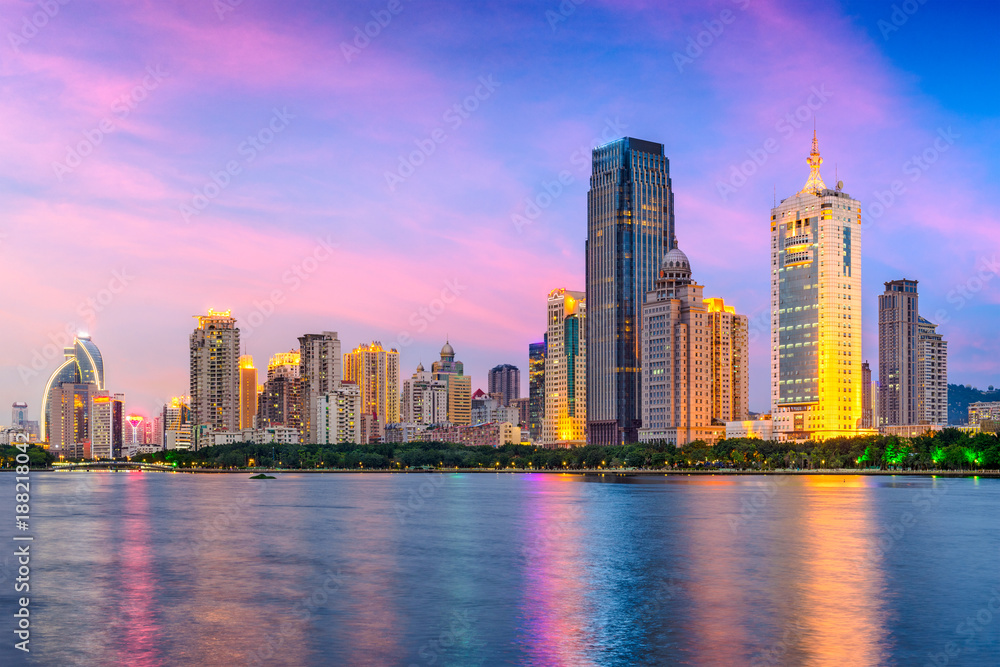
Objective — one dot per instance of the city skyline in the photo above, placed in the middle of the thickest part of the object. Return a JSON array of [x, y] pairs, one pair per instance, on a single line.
[[157, 269]]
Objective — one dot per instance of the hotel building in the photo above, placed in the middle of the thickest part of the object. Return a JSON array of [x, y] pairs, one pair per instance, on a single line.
[[816, 311]]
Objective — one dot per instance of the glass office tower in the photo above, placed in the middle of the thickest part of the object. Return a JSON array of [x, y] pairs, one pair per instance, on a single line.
[[630, 227]]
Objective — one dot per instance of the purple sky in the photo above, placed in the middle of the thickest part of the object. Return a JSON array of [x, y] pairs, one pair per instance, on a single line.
[[117, 116]]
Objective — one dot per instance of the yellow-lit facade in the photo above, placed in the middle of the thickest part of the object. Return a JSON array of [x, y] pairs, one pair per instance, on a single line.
[[565, 422], [248, 392], [376, 372], [816, 311]]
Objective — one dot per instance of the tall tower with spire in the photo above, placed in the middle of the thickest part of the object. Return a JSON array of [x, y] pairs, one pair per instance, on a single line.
[[816, 310]]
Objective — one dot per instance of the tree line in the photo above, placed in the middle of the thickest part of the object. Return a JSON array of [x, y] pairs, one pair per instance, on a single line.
[[949, 449]]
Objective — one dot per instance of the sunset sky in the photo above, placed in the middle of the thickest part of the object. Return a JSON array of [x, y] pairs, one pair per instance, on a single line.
[[117, 116]]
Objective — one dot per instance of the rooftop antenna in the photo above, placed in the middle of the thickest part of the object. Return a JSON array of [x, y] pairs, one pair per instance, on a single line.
[[775, 196]]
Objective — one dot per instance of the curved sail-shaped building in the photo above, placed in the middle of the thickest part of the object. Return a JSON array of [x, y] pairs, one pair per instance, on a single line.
[[83, 364]]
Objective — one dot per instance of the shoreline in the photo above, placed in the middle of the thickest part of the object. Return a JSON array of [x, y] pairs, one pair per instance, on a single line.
[[991, 474]]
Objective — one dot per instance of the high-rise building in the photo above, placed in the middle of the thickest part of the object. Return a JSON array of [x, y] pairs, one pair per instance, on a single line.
[[536, 389], [630, 227], [729, 367], [565, 422], [867, 414], [70, 406], [280, 403], [899, 353], [676, 358], [18, 414], [83, 364], [816, 310], [320, 373], [452, 373], [338, 415], [248, 392], [932, 365], [106, 425], [505, 380], [376, 372], [425, 400], [215, 377]]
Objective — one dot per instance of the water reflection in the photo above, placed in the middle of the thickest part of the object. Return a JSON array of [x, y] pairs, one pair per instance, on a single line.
[[555, 610], [841, 608]]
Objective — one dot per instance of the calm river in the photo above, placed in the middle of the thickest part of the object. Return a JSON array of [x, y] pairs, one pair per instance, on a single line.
[[506, 569]]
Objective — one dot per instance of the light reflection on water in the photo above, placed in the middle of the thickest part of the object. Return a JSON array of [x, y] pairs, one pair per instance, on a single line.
[[171, 569]]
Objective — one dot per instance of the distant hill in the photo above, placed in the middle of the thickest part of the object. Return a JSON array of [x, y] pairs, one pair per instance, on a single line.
[[959, 397]]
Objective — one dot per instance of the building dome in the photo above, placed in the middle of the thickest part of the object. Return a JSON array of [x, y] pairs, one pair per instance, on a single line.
[[675, 260], [447, 351], [420, 367]]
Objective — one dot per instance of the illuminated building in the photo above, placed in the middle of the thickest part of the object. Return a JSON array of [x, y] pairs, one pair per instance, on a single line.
[[376, 372], [630, 227], [983, 411], [106, 426], [676, 358], [565, 422], [536, 389], [83, 365], [452, 373], [816, 311], [320, 373], [70, 407], [932, 365], [248, 392], [280, 404], [177, 424], [338, 415], [729, 367], [425, 400], [505, 380], [760, 429], [492, 434], [867, 413], [215, 378]]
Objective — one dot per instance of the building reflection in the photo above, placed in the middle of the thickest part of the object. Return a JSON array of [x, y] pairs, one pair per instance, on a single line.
[[555, 611]]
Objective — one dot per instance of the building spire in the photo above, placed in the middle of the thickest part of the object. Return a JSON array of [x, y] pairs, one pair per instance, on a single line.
[[815, 183]]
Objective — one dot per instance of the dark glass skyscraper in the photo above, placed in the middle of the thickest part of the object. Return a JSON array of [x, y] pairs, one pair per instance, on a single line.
[[630, 227]]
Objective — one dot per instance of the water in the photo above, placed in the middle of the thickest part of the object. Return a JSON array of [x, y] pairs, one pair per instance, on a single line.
[[503, 569]]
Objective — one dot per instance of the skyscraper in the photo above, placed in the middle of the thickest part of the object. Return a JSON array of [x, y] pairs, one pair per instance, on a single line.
[[898, 353], [338, 415], [215, 378], [816, 310], [630, 227], [18, 413], [376, 372], [536, 388], [71, 409], [320, 374], [676, 366], [505, 380], [729, 363], [565, 421], [248, 392], [932, 363], [83, 364], [452, 373]]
